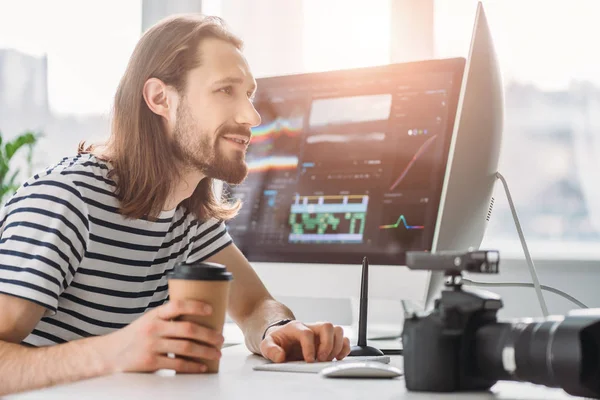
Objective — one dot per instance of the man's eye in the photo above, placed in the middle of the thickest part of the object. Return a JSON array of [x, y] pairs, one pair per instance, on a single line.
[[227, 90], [250, 96]]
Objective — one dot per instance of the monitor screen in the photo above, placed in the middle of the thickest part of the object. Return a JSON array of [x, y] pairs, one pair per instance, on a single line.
[[347, 164]]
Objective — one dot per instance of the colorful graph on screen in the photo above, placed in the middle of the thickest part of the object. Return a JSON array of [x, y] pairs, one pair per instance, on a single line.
[[328, 218], [419, 152], [401, 219]]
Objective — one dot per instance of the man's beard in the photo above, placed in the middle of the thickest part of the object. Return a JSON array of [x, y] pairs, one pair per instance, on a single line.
[[197, 149]]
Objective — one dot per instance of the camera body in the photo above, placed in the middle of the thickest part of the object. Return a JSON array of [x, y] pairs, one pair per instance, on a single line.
[[439, 347]]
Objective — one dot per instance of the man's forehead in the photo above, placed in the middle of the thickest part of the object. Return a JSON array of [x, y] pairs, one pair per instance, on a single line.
[[221, 60]]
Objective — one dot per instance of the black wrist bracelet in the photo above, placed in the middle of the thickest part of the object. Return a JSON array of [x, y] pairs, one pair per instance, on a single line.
[[277, 323]]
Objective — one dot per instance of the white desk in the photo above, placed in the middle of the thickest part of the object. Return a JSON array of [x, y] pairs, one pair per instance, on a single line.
[[237, 381]]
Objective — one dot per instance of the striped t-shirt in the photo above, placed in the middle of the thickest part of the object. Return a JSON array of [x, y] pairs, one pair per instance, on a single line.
[[64, 245]]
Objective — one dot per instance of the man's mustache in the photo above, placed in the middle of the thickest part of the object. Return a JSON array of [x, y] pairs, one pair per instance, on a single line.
[[235, 130]]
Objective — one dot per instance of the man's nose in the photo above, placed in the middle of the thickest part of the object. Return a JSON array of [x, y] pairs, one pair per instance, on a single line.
[[248, 116]]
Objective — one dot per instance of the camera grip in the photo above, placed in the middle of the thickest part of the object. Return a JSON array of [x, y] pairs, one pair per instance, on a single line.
[[430, 357]]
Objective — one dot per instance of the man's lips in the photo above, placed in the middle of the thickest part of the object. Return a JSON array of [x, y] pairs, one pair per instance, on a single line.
[[240, 139], [240, 143]]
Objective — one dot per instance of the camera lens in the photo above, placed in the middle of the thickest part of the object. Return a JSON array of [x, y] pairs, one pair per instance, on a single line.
[[559, 352]]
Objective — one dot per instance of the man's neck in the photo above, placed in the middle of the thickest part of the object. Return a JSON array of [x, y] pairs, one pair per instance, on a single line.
[[183, 189]]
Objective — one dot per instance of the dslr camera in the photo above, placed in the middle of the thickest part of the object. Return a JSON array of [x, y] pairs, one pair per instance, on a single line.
[[461, 346]]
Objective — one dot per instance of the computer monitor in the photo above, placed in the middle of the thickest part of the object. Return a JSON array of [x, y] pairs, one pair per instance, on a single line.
[[347, 164], [365, 162], [467, 194]]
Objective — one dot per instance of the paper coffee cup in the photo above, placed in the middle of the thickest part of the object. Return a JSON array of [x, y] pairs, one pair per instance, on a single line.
[[206, 282]]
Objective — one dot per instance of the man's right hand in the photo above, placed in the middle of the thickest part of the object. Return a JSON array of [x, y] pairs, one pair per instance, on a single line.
[[143, 345]]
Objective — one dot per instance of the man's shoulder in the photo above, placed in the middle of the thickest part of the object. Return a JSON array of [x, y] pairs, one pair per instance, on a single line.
[[82, 168], [68, 175]]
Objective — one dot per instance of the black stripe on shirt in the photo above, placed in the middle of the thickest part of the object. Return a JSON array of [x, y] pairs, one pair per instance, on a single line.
[[48, 336], [210, 241], [33, 287], [203, 233], [171, 256], [90, 175], [190, 243], [178, 238], [123, 245], [94, 164], [101, 206], [36, 272], [95, 188], [58, 184], [212, 253], [66, 327], [74, 160], [91, 321], [18, 238], [121, 277], [116, 210], [181, 221], [28, 256], [155, 304], [52, 198], [119, 293], [121, 228], [103, 307], [203, 228], [61, 162], [118, 260], [43, 228], [50, 214], [41, 303]]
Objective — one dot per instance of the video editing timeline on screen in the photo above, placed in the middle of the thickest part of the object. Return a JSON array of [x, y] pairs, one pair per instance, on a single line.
[[344, 165]]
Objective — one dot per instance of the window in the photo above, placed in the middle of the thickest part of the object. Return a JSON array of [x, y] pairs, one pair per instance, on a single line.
[[346, 34], [60, 64], [296, 36], [551, 140]]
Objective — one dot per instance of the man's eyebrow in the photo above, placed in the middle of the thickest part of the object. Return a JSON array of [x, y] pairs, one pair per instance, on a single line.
[[233, 81], [230, 80]]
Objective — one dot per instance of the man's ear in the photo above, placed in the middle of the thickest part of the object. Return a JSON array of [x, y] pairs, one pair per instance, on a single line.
[[161, 99]]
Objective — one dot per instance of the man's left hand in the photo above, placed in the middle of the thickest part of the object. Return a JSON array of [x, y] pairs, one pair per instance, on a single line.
[[310, 342]]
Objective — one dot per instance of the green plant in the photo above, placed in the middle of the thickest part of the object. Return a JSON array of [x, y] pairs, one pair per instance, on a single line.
[[8, 149]]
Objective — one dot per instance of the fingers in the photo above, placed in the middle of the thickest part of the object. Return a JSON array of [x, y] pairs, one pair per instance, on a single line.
[[176, 308], [345, 349], [180, 365], [187, 348], [306, 338], [338, 343], [191, 331], [272, 351], [326, 341]]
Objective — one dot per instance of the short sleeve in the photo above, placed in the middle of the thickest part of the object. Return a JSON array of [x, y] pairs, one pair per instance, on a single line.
[[43, 237], [210, 238]]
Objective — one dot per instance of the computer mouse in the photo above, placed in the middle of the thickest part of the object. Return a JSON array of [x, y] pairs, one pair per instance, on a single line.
[[361, 369]]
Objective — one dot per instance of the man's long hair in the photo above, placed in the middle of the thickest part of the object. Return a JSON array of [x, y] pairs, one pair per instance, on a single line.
[[140, 150]]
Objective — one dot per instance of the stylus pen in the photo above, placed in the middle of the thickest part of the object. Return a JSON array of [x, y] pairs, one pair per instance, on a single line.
[[364, 303]]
